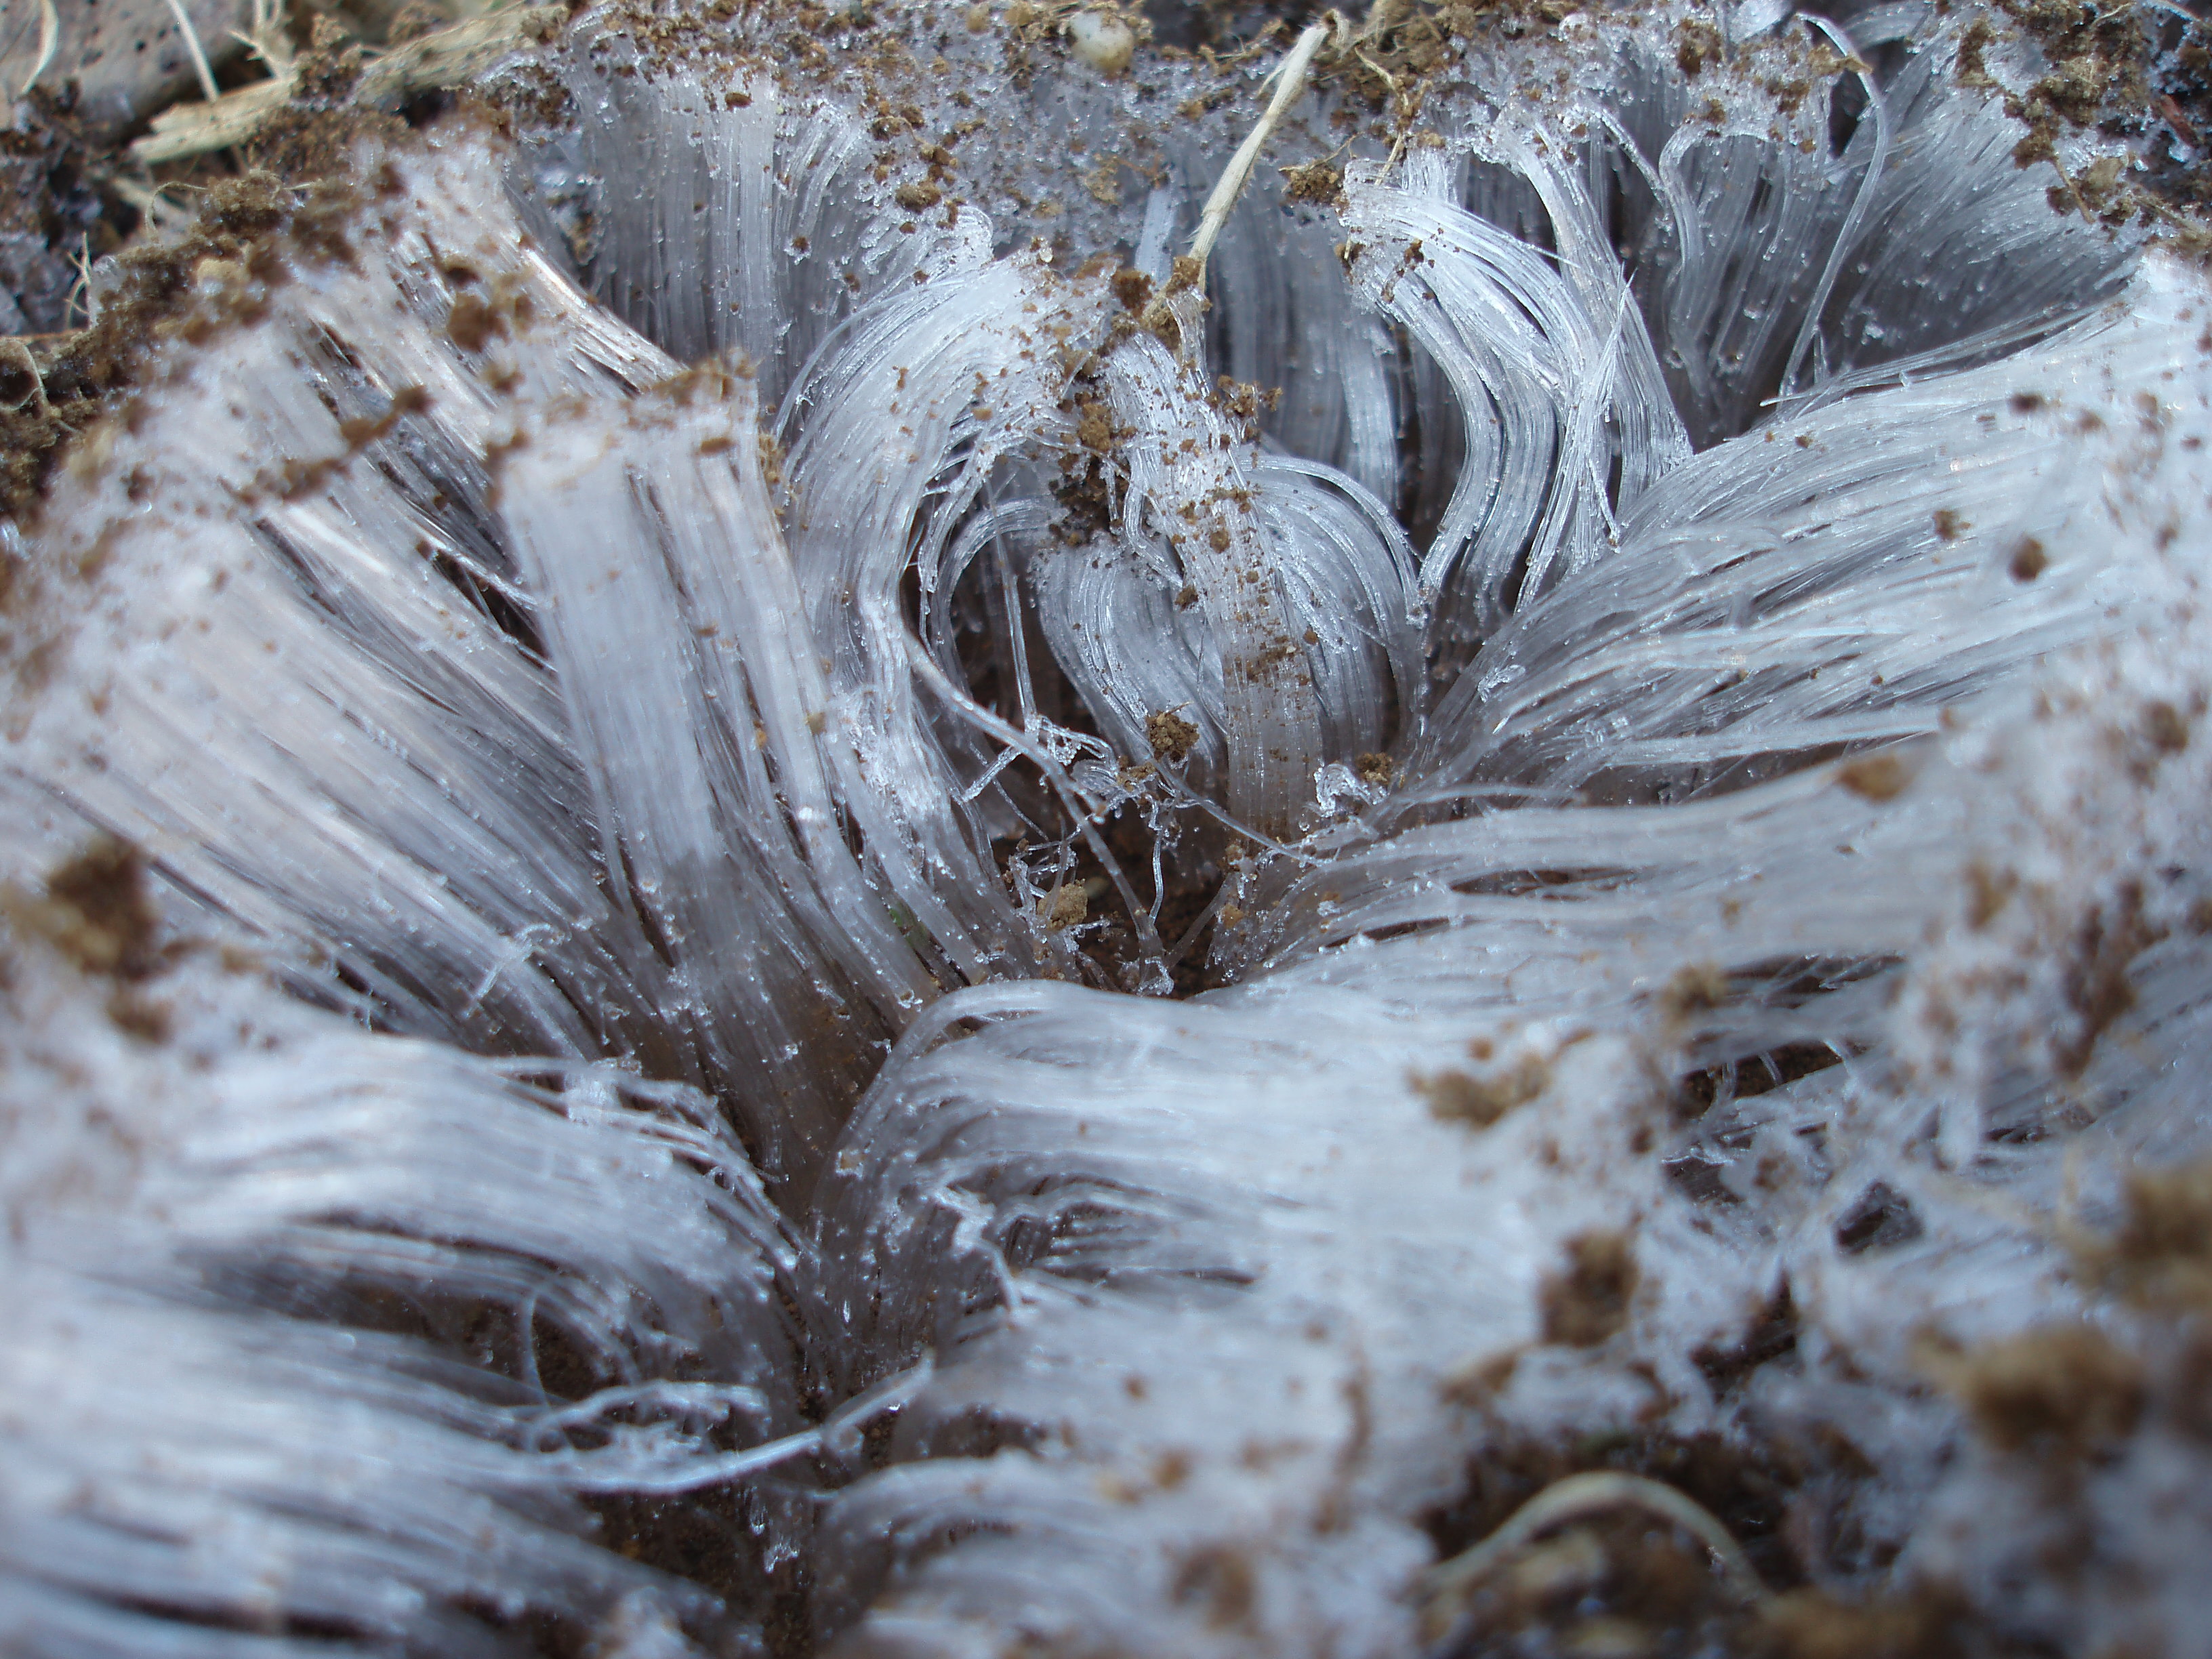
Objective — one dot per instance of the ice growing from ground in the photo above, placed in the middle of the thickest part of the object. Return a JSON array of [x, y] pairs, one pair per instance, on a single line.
[[771, 889]]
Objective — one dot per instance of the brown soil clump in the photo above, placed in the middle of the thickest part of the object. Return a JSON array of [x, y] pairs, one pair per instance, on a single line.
[[1172, 736], [1457, 1096], [257, 225], [1588, 1303], [97, 910], [2064, 1393], [2162, 1256]]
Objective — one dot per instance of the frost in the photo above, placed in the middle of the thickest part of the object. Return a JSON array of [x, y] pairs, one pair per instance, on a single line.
[[605, 796]]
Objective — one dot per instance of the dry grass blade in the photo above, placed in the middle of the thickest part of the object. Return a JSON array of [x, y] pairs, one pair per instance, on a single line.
[[445, 58], [206, 75]]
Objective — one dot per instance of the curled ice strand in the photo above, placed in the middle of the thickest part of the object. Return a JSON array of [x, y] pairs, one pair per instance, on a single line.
[[668, 1458], [1201, 500], [1532, 373], [1870, 182]]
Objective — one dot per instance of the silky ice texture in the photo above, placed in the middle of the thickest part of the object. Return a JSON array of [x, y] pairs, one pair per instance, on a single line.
[[596, 868]]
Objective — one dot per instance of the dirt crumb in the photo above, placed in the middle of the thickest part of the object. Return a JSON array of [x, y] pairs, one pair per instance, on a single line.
[[1316, 183], [1694, 988], [2062, 1391], [1882, 1218], [1874, 777], [1067, 908], [1219, 1578], [2029, 560], [2164, 728], [1094, 427], [1172, 736], [472, 322], [2162, 1256], [2097, 980], [1696, 43], [1134, 289], [1811, 1623], [1588, 1301], [97, 910], [1457, 1096]]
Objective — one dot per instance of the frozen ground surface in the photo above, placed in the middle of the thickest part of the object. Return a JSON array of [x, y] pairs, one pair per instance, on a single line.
[[769, 889]]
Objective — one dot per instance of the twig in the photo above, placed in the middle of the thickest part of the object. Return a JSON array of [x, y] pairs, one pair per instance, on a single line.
[[2183, 127], [195, 129], [1388, 79]]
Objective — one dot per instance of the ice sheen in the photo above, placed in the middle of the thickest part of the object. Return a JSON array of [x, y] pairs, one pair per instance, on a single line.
[[601, 719]]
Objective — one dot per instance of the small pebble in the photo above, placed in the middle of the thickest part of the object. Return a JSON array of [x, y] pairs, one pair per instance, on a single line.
[[1103, 40]]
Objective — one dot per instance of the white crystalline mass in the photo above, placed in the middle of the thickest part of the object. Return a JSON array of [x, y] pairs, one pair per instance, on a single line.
[[1694, 769]]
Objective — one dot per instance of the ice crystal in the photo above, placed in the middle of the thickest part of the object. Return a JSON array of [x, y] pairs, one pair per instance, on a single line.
[[775, 881]]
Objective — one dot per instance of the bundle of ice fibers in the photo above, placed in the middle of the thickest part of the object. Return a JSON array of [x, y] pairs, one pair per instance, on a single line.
[[790, 868]]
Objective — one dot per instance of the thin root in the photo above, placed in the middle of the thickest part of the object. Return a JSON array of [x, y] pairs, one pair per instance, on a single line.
[[50, 41], [15, 352], [80, 294], [1450, 1584]]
